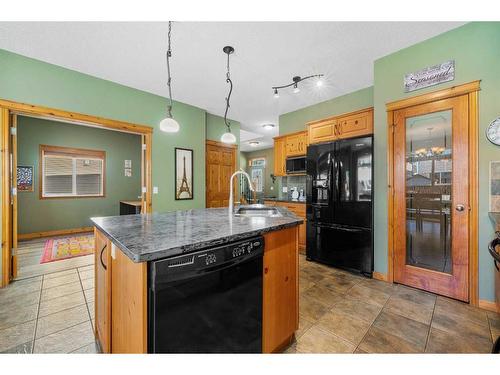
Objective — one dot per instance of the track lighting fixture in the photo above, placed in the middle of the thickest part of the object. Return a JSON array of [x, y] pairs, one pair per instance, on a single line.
[[295, 84]]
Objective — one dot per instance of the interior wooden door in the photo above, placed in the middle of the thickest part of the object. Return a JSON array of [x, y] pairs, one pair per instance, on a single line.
[[431, 197], [13, 189], [220, 165]]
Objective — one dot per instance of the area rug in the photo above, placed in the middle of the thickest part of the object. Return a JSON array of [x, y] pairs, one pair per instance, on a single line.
[[67, 247]]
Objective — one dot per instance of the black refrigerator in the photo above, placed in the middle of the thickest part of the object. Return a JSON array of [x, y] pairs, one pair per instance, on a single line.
[[340, 204]]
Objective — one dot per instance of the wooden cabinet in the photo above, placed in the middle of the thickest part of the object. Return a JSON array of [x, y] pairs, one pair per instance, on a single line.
[[102, 291], [280, 295], [298, 209], [279, 156], [120, 299], [290, 145], [348, 125], [356, 125], [322, 131]]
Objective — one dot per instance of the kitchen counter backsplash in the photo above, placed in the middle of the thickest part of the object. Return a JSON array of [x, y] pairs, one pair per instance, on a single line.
[[292, 182]]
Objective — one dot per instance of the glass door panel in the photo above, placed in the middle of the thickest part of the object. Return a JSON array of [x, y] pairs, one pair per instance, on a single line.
[[428, 191]]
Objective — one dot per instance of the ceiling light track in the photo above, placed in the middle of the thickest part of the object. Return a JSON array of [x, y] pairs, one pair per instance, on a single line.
[[295, 82]]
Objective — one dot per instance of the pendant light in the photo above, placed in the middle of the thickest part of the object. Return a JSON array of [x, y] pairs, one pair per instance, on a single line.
[[169, 124], [228, 137]]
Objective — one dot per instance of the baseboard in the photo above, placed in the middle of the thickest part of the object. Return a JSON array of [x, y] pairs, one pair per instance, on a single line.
[[379, 276], [53, 233], [489, 305]]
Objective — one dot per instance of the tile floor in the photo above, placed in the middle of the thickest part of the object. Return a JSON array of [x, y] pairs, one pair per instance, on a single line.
[[51, 313], [30, 253], [339, 313], [344, 313]]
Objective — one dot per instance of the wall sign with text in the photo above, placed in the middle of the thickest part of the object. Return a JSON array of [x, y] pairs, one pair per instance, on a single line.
[[430, 76]]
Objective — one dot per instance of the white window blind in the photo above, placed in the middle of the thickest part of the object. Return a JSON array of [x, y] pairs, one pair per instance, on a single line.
[[69, 174]]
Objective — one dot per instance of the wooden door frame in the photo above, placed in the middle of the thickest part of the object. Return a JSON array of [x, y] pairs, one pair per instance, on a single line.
[[470, 89], [8, 108], [234, 147]]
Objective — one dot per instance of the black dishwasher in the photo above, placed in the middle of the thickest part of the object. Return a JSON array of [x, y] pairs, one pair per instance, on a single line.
[[209, 301]]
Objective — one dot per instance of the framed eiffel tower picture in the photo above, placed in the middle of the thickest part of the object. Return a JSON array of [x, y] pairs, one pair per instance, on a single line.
[[183, 173]]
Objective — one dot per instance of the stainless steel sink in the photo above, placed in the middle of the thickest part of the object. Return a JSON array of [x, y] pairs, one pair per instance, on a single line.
[[258, 210]]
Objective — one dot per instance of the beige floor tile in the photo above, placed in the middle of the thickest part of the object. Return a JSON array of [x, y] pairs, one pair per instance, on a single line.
[[460, 326], [312, 274], [310, 309], [16, 335], [304, 325], [358, 309], [64, 319], [316, 340], [445, 342], [305, 284], [338, 283], [460, 311], [86, 268], [67, 340], [89, 294], [494, 320], [58, 281], [91, 308], [18, 288], [61, 290], [58, 304], [88, 274], [20, 315], [20, 349], [416, 296], [55, 275], [382, 286], [12, 304], [404, 328], [409, 309], [87, 349], [368, 295], [323, 295], [344, 326], [378, 341], [88, 283]]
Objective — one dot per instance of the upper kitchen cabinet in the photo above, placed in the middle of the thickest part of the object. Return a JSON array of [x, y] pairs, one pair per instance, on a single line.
[[279, 156], [343, 126], [296, 144]]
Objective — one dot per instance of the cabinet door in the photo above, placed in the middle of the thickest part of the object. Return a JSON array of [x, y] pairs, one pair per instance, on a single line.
[[322, 131], [280, 304], [102, 292], [279, 157], [292, 145], [302, 237], [356, 125], [303, 143]]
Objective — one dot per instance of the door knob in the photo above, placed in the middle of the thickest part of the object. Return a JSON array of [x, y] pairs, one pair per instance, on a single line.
[[459, 207]]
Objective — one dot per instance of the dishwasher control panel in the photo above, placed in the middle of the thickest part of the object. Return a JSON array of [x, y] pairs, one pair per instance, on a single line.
[[189, 265]]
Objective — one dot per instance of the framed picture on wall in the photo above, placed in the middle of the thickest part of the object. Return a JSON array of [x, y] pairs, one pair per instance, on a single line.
[[24, 178], [183, 173]]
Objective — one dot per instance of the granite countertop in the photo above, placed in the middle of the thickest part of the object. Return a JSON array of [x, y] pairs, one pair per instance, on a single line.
[[161, 235]]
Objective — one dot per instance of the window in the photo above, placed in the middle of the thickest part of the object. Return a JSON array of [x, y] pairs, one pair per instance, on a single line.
[[71, 172]]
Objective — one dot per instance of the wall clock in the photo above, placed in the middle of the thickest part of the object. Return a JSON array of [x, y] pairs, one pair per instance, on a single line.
[[493, 132]]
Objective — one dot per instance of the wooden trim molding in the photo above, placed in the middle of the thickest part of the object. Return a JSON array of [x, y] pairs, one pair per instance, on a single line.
[[470, 89], [379, 276], [220, 144], [450, 92], [51, 113], [8, 108], [489, 305], [331, 118], [53, 233]]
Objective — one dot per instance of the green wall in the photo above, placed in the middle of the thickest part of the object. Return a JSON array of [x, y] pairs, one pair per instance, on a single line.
[[216, 127], [296, 121], [36, 215], [476, 50], [267, 153]]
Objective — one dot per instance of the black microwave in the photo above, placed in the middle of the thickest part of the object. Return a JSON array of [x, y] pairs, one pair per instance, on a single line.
[[296, 165]]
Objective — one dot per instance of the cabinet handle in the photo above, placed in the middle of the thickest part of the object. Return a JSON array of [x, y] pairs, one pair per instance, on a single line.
[[100, 257]]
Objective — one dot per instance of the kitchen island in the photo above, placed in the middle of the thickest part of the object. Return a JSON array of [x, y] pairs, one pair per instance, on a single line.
[[127, 246]]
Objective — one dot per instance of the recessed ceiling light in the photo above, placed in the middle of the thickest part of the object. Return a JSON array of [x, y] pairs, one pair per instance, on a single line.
[[253, 143], [268, 126]]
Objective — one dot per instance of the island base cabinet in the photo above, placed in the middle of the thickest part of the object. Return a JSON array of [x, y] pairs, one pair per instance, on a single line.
[[280, 296], [102, 291]]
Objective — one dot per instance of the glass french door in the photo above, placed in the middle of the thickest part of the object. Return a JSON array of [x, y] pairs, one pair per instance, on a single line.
[[431, 197]]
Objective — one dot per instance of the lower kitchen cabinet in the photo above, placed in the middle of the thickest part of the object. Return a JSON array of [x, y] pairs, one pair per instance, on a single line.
[[298, 209], [281, 299], [102, 291]]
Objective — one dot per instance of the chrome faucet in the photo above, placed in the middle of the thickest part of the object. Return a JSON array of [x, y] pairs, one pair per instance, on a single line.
[[231, 198]]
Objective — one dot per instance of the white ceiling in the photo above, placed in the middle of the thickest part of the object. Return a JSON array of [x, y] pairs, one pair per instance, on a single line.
[[267, 54]]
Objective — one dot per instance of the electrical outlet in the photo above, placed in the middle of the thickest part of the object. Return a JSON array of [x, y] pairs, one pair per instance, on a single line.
[[285, 189], [155, 189]]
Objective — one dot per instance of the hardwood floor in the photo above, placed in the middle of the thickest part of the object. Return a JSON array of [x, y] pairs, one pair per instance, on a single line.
[[30, 253]]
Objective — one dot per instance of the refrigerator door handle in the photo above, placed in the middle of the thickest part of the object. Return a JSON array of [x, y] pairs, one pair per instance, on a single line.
[[338, 227]]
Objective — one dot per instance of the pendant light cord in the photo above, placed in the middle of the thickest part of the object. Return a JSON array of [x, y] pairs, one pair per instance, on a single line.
[[228, 80], [169, 55]]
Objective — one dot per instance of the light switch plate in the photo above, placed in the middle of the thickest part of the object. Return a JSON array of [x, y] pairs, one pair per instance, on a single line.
[[155, 189]]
